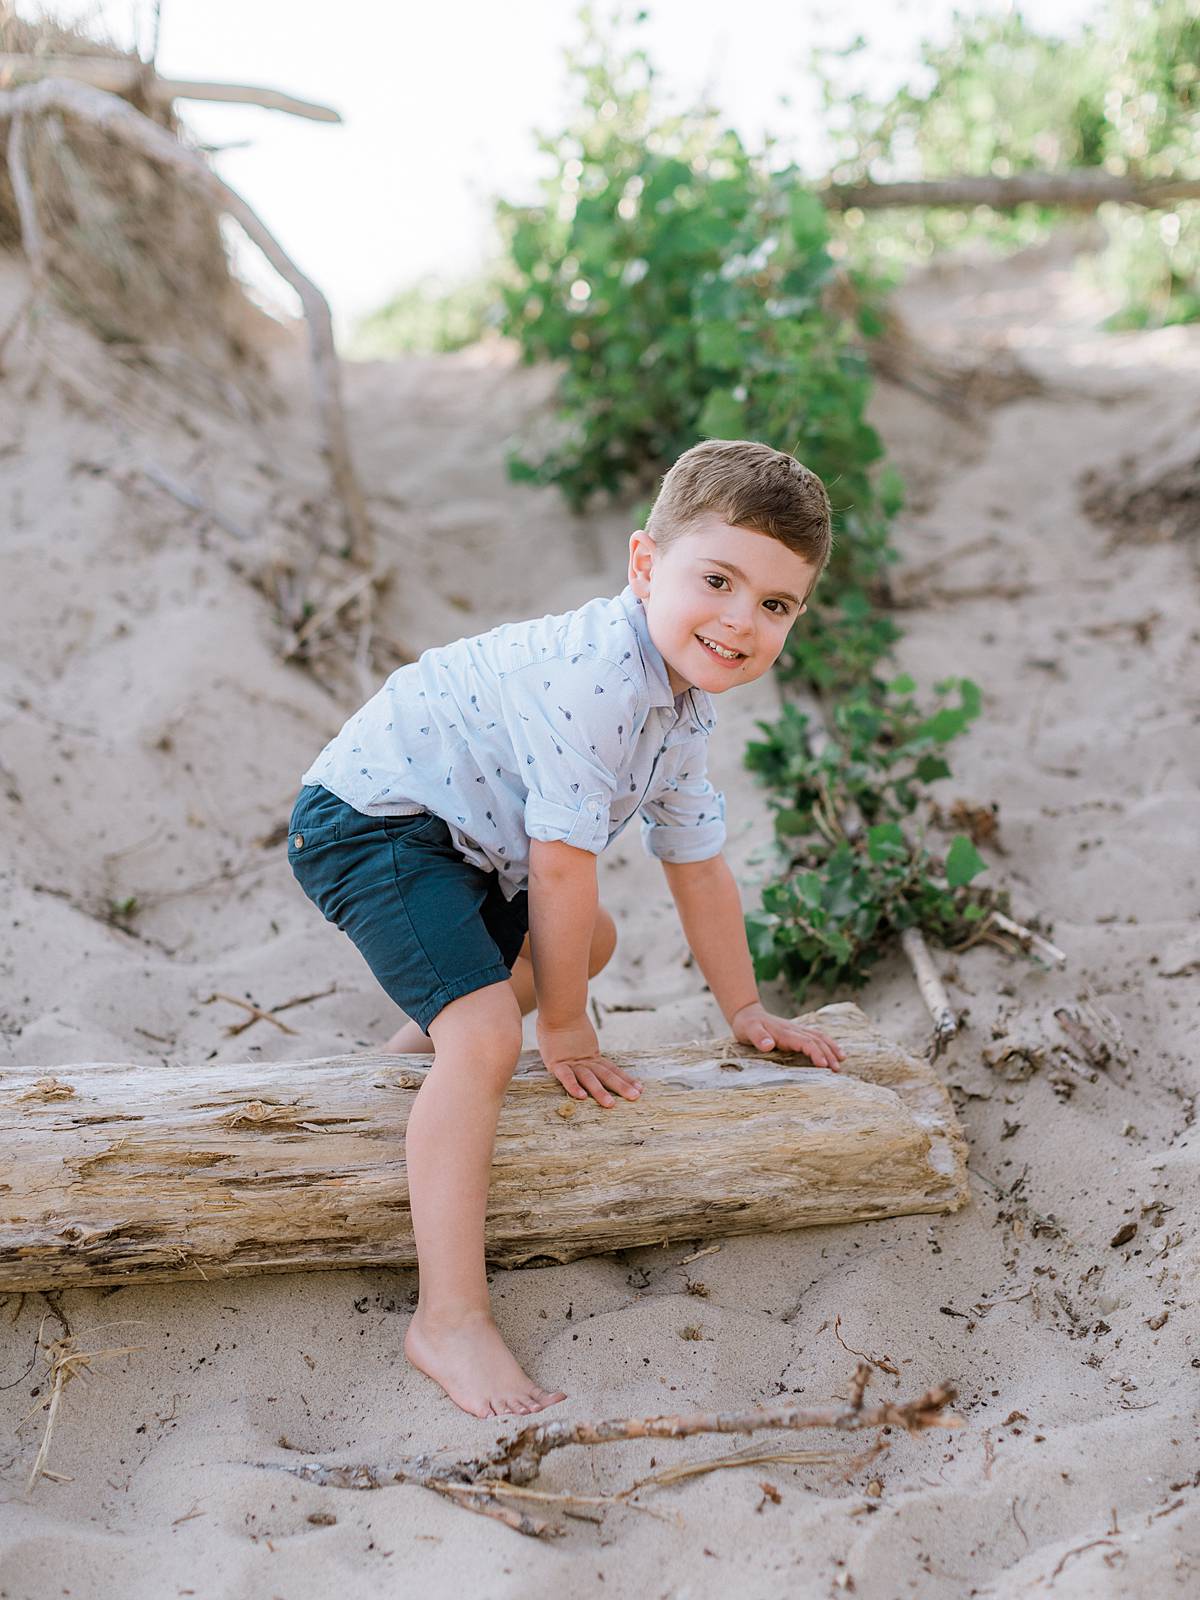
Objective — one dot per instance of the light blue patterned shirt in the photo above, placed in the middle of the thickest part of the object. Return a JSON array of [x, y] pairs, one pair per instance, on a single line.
[[558, 728]]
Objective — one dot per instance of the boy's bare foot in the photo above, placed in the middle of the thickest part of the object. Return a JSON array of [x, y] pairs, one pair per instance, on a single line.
[[475, 1367], [408, 1040]]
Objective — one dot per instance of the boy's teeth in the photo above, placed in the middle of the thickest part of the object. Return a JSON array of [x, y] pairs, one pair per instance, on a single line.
[[728, 654]]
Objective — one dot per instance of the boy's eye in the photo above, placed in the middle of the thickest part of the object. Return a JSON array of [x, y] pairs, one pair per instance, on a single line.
[[783, 606]]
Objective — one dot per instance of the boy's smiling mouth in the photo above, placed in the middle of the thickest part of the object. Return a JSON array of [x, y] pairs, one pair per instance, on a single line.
[[721, 652]]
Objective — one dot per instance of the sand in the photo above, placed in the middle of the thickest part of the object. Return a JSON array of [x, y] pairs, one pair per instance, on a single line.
[[152, 740]]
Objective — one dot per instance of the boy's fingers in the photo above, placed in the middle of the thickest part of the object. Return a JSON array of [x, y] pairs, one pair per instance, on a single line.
[[570, 1083], [818, 1049], [594, 1087], [616, 1078]]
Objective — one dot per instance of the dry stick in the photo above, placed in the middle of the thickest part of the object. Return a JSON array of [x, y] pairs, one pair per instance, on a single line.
[[300, 1000], [257, 1014], [66, 1362], [116, 116], [1079, 190], [120, 76], [933, 992], [31, 232], [1028, 940], [193, 502], [342, 597], [32, 237], [518, 1460], [749, 1457]]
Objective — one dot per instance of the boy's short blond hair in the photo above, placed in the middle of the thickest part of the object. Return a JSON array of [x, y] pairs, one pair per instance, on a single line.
[[747, 485]]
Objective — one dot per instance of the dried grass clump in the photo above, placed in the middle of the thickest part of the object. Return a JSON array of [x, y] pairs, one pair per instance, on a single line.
[[131, 250]]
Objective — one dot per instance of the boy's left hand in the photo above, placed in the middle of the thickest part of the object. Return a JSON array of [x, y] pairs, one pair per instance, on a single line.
[[755, 1025]]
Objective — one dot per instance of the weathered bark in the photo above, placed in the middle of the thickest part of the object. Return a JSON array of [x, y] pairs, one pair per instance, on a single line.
[[113, 1173]]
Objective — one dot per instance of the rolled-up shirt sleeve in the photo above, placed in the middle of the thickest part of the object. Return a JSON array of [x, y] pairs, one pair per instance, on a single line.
[[568, 718], [685, 819]]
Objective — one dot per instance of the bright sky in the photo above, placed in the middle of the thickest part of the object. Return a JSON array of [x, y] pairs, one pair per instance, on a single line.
[[440, 104]]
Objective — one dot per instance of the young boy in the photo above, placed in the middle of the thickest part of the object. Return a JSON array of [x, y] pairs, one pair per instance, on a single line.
[[452, 827]]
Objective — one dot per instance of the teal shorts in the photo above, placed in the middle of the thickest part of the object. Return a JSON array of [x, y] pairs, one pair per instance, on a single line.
[[430, 925]]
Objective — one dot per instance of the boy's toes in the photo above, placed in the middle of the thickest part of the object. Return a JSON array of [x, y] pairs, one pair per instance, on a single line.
[[543, 1398]]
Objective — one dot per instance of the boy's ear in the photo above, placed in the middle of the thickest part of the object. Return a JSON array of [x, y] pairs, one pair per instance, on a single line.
[[641, 562]]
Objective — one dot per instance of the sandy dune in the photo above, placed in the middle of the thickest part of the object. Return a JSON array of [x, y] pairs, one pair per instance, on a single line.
[[152, 739]]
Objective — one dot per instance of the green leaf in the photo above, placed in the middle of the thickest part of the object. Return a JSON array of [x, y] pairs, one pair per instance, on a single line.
[[886, 841], [791, 821], [963, 862], [931, 767]]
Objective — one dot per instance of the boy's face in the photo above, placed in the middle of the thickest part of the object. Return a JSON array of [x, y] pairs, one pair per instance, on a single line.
[[728, 586]]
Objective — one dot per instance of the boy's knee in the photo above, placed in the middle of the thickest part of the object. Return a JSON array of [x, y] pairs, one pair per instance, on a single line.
[[482, 1028], [604, 942]]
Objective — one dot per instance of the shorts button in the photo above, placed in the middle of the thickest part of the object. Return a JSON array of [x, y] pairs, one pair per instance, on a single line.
[[298, 841]]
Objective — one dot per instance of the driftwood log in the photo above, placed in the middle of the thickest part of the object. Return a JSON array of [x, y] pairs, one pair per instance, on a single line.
[[117, 1173]]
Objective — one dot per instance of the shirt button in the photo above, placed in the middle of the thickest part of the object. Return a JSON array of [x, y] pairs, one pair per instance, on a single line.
[[298, 841]]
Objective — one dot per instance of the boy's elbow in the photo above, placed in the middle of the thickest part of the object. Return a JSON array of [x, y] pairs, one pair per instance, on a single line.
[[555, 858], [688, 872]]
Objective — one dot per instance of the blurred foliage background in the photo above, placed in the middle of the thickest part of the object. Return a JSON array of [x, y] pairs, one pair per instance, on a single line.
[[998, 97]]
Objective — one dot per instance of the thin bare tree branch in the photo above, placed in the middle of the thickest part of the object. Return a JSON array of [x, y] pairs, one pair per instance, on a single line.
[[1080, 190], [120, 75]]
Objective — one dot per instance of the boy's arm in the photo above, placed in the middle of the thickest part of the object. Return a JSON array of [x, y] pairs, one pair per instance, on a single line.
[[710, 912], [562, 916], [563, 900]]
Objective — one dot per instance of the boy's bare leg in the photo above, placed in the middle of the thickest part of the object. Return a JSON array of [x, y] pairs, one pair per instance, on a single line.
[[409, 1040], [448, 1153]]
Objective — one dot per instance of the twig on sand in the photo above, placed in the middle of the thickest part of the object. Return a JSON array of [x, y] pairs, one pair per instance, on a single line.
[[476, 1481], [193, 502], [1031, 942], [66, 1361], [937, 1001], [257, 1014], [881, 1362], [268, 1014]]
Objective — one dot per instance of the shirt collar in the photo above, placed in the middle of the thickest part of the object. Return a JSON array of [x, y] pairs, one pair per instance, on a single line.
[[658, 686]]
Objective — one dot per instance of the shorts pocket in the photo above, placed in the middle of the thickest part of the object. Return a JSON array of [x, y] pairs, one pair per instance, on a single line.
[[314, 818], [421, 826]]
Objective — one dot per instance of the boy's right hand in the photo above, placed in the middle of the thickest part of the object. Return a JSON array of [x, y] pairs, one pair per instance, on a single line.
[[572, 1055]]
